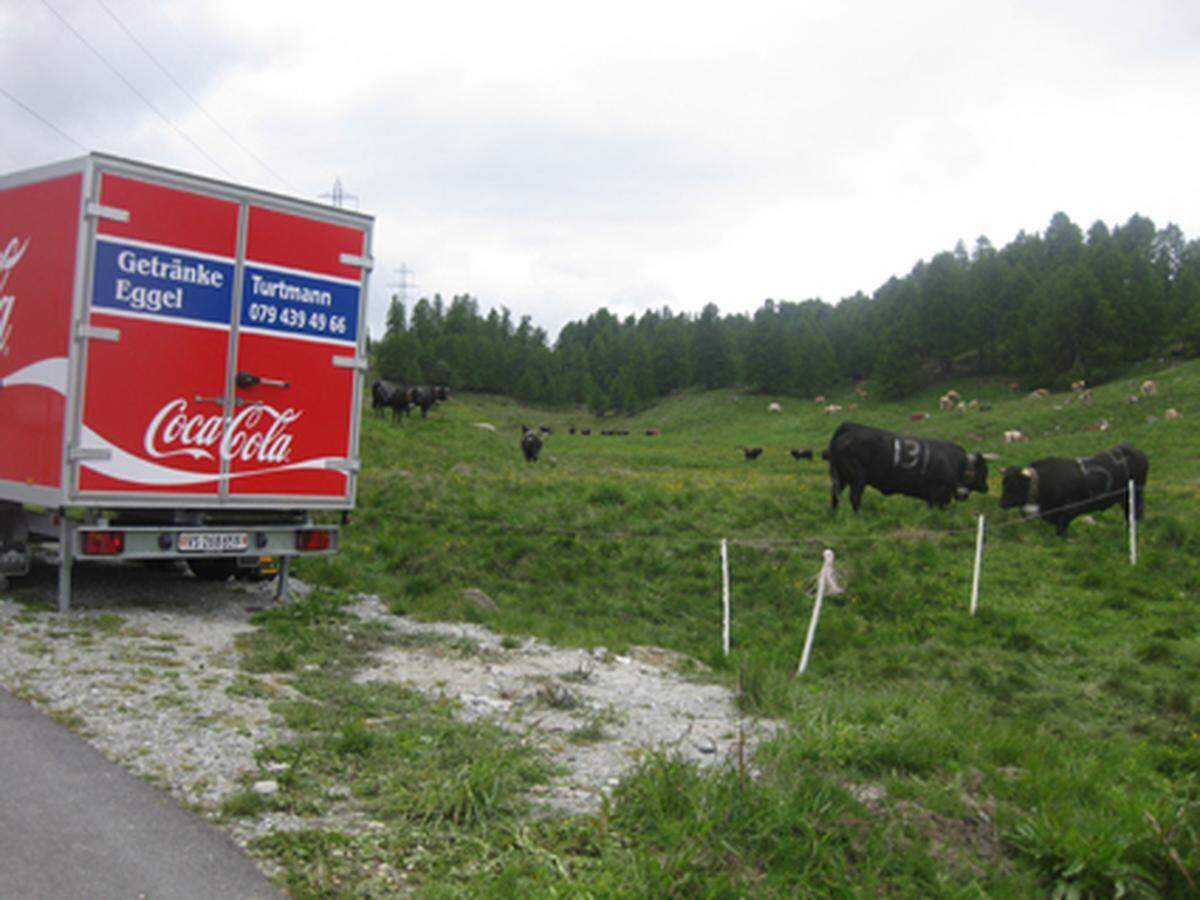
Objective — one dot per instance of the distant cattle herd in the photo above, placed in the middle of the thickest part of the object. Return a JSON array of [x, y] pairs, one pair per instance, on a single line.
[[401, 399], [1056, 489]]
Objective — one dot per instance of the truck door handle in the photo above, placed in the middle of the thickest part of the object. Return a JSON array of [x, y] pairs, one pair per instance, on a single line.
[[248, 380]]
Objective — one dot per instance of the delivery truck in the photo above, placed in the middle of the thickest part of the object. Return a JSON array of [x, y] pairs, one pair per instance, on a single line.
[[181, 362]]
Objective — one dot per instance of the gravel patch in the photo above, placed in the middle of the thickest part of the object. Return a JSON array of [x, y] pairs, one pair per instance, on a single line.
[[594, 713], [144, 667]]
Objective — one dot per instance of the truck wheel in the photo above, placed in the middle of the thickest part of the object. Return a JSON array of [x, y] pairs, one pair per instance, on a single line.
[[213, 569]]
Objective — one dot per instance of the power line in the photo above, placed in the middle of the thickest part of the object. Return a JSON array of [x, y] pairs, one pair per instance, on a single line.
[[129, 84], [33, 112], [188, 94]]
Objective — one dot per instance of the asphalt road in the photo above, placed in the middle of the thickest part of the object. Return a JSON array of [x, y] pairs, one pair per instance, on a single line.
[[74, 825]]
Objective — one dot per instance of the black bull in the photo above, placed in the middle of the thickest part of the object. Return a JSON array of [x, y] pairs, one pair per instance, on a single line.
[[931, 470], [1058, 489]]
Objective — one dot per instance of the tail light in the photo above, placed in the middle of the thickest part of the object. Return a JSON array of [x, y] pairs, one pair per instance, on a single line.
[[311, 539], [103, 543]]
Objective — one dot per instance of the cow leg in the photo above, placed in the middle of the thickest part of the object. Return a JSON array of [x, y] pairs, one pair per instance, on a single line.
[[835, 487], [856, 492]]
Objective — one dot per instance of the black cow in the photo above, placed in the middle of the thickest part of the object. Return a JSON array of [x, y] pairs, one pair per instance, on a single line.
[[1058, 489], [752, 452], [801, 454], [531, 443], [426, 395], [932, 470], [387, 395]]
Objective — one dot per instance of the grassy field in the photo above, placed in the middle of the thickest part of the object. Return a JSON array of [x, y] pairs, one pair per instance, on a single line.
[[1050, 744]]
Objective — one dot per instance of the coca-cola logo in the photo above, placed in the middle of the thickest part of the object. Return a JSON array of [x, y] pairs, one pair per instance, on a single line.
[[256, 434], [9, 257]]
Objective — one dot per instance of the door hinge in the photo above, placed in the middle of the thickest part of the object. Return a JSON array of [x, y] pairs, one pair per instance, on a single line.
[[86, 331], [353, 259], [88, 454], [101, 211]]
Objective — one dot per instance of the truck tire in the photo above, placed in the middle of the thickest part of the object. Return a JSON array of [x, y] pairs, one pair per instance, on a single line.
[[216, 568]]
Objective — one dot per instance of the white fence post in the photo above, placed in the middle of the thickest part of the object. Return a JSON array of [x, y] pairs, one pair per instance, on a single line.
[[822, 579], [725, 593], [978, 564], [1132, 523]]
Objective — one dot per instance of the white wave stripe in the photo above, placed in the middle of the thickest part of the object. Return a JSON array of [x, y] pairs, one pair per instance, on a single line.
[[51, 373], [48, 373], [125, 466]]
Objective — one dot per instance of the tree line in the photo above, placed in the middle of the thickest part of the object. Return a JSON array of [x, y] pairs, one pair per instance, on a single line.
[[1046, 309]]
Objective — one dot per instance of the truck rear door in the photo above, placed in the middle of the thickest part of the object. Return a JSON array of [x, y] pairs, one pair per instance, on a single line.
[[222, 362], [157, 340], [297, 378]]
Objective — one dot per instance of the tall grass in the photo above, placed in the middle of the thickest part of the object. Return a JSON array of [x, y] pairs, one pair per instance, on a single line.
[[1049, 744]]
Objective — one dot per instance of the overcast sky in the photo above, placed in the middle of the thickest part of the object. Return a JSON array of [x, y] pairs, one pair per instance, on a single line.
[[555, 157]]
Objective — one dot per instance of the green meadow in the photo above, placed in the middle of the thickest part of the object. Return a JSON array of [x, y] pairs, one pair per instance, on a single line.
[[1049, 745]]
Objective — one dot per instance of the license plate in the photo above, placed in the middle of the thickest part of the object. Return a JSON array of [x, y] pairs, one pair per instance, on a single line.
[[213, 541]]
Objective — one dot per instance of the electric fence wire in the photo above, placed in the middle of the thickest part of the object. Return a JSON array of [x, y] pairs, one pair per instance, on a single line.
[[129, 84], [175, 81], [452, 525]]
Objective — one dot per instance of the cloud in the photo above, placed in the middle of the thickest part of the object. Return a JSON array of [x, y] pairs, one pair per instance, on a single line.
[[556, 158]]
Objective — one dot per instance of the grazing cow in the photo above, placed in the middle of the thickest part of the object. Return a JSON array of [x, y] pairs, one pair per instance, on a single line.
[[919, 416], [1015, 435], [774, 408], [1078, 386], [1102, 425], [426, 395], [571, 430], [396, 397], [531, 443], [1039, 394], [585, 431], [801, 454], [1172, 413], [1149, 388], [949, 400], [820, 398], [832, 408], [545, 429], [1058, 489], [932, 470], [752, 452], [652, 432]]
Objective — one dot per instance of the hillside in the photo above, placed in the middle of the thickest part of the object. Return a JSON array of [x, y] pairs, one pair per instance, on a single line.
[[1047, 743]]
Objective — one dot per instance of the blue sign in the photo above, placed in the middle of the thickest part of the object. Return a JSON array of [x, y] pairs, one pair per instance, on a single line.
[[291, 303], [162, 283]]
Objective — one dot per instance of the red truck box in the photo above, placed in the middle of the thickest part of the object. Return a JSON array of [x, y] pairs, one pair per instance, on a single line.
[[181, 361]]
